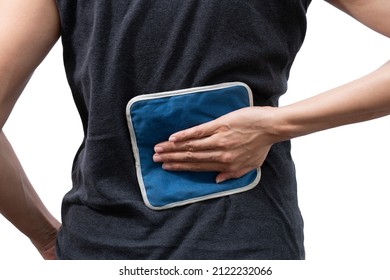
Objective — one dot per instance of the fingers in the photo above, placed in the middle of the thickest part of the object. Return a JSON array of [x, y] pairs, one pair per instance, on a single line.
[[208, 166], [196, 132], [228, 145], [191, 145], [189, 156], [192, 166], [224, 176], [217, 161]]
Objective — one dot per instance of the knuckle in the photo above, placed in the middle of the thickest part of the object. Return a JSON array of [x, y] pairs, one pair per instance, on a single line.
[[225, 144], [226, 158], [189, 147], [188, 156], [213, 157], [221, 144], [199, 133]]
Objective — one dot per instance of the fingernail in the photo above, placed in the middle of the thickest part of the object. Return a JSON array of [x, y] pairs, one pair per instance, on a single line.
[[166, 166], [220, 180], [172, 139], [157, 158], [158, 149]]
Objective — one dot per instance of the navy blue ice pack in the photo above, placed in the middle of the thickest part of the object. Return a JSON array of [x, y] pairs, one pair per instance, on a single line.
[[152, 118]]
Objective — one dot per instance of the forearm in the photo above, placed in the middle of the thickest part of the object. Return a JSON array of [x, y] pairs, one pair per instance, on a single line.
[[19, 203], [361, 100], [364, 99], [28, 30]]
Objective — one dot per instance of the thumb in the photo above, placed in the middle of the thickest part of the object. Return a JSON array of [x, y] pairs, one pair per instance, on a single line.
[[224, 176]]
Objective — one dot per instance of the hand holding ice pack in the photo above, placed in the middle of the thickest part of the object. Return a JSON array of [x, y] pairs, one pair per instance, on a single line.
[[152, 118]]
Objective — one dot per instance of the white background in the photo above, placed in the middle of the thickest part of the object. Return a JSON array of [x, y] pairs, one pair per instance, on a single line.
[[343, 173]]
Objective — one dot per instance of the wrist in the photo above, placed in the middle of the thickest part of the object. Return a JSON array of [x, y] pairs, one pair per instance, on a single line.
[[44, 237], [275, 122], [297, 120]]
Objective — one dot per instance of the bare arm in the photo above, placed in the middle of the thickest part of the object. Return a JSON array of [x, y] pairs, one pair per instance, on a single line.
[[28, 30], [240, 141], [372, 13], [360, 100]]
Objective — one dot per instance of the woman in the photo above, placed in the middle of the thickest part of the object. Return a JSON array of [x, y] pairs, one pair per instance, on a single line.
[[116, 51]]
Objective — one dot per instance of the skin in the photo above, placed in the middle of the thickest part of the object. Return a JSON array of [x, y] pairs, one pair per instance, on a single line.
[[232, 145], [28, 30], [239, 142]]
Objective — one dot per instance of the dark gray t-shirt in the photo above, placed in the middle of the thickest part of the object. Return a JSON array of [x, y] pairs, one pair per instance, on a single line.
[[115, 50]]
